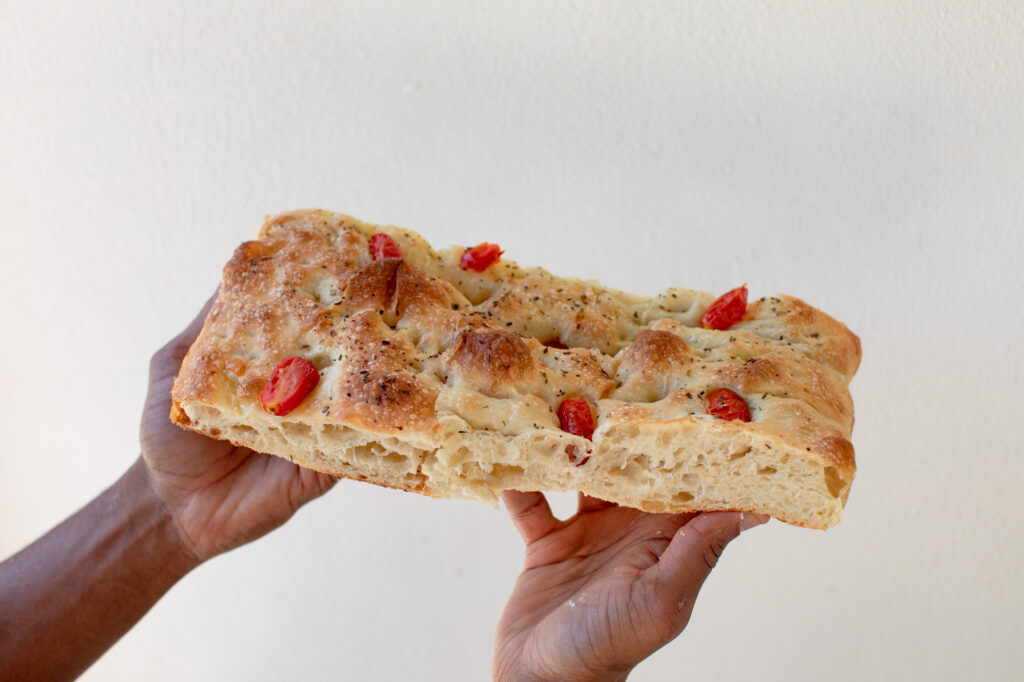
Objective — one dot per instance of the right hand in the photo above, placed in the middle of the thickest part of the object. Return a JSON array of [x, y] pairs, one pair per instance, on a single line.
[[605, 589]]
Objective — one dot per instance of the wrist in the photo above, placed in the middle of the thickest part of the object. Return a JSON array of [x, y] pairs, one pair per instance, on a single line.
[[534, 673], [159, 533], [528, 676]]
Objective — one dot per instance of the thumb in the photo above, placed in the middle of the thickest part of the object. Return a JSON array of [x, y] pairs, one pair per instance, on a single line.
[[168, 359], [694, 551]]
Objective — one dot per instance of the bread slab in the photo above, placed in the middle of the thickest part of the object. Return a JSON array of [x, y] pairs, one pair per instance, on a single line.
[[445, 382]]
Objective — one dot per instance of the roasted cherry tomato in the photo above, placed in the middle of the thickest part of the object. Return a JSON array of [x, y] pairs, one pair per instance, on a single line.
[[575, 417], [383, 246], [725, 404], [480, 257], [727, 310], [289, 383], [575, 457]]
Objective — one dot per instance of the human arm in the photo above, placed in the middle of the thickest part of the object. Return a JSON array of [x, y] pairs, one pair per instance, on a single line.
[[69, 596], [66, 598], [604, 589]]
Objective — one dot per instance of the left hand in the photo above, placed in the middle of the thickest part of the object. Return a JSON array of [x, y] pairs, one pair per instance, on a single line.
[[218, 495]]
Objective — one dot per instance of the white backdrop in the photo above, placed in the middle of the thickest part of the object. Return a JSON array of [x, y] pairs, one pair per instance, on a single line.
[[868, 157]]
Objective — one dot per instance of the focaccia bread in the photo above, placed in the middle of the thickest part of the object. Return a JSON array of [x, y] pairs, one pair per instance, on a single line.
[[446, 381]]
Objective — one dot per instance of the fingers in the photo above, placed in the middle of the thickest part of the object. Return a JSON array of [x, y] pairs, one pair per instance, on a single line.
[[189, 334], [174, 351], [530, 513], [312, 484], [589, 504], [694, 551]]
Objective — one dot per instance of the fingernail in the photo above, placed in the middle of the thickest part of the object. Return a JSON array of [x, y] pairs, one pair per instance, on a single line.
[[748, 521]]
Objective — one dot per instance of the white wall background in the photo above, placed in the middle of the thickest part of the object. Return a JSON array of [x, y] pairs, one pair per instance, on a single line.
[[868, 157]]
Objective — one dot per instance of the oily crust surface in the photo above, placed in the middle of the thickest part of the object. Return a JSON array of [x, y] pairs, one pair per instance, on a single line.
[[445, 382]]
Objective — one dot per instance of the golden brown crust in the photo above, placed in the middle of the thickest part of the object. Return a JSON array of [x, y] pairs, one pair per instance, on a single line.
[[429, 357], [816, 334], [375, 389], [491, 360]]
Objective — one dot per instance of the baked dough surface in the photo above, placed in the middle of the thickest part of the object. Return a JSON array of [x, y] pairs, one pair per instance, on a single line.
[[445, 382]]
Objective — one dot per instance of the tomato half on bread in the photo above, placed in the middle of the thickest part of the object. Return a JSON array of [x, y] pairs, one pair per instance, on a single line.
[[726, 404], [289, 383], [480, 257], [574, 417], [726, 310], [383, 246]]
